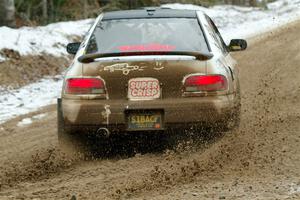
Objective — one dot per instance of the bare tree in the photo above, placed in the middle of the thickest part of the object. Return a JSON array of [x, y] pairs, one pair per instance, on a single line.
[[7, 13], [45, 10], [253, 3], [85, 8]]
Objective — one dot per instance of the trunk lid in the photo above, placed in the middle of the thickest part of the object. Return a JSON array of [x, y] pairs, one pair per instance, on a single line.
[[169, 73]]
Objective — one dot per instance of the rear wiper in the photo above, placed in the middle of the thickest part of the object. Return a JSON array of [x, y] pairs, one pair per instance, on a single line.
[[89, 58]]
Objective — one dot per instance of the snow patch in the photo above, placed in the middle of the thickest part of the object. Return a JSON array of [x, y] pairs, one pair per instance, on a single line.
[[51, 39], [233, 21], [39, 116], [2, 59], [24, 122], [245, 22], [28, 121], [294, 189], [28, 98]]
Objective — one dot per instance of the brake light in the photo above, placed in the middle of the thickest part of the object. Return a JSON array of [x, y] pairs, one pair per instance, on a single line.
[[85, 86], [198, 83]]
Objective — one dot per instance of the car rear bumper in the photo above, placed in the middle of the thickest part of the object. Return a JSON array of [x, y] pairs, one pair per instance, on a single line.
[[107, 113]]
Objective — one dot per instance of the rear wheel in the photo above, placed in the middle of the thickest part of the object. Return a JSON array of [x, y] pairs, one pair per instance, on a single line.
[[69, 142], [233, 120]]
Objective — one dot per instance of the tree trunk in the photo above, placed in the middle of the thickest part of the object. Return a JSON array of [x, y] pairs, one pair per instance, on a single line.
[[253, 3], [7, 13], [85, 8], [51, 15], [45, 11]]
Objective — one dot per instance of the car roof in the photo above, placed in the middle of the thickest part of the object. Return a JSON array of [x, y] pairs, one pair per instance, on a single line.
[[151, 12]]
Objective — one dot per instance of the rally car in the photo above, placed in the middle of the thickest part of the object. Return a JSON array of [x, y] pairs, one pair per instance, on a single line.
[[149, 70]]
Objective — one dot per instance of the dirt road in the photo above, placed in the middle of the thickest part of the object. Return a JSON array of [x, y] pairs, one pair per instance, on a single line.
[[260, 160]]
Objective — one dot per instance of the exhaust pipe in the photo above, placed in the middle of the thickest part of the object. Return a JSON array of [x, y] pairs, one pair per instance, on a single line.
[[104, 132]]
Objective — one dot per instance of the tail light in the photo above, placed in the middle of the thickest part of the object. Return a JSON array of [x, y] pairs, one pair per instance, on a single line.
[[206, 83], [85, 86]]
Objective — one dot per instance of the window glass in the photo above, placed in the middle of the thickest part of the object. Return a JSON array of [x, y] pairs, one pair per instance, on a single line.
[[147, 35], [216, 35]]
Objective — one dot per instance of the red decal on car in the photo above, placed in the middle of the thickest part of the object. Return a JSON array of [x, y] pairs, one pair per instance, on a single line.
[[147, 47]]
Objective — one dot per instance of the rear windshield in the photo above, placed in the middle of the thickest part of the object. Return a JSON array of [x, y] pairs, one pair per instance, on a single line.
[[148, 35]]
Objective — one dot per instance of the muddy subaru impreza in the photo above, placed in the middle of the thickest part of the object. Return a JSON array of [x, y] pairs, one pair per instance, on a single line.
[[150, 70]]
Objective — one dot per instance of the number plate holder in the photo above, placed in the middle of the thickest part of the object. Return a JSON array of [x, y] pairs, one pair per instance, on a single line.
[[144, 120]]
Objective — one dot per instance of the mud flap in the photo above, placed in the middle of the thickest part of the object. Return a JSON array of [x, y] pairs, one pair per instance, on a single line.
[[70, 144], [60, 122]]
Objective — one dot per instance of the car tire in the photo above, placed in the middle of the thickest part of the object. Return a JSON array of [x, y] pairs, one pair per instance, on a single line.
[[235, 117], [233, 120], [69, 143]]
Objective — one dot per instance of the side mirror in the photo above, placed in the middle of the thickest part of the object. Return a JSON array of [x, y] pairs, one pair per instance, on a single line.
[[237, 45], [72, 48]]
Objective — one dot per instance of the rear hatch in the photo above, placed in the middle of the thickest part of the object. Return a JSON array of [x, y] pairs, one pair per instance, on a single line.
[[135, 55]]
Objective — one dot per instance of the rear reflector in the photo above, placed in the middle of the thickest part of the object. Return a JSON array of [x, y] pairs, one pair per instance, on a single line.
[[85, 86], [198, 83]]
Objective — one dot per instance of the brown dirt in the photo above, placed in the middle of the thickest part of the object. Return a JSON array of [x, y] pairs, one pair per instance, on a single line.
[[19, 70], [260, 160]]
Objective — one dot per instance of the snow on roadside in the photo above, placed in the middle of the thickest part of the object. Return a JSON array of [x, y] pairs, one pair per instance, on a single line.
[[245, 22], [233, 21], [24, 122], [39, 116], [50, 39], [28, 98], [2, 58], [28, 121], [294, 189]]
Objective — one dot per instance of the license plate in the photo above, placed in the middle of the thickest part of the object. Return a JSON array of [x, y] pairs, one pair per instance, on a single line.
[[144, 121]]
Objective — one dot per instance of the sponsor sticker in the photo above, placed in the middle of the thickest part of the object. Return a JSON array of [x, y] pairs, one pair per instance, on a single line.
[[143, 88]]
